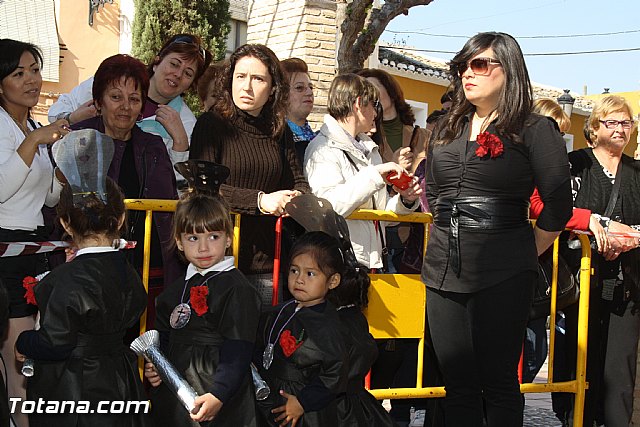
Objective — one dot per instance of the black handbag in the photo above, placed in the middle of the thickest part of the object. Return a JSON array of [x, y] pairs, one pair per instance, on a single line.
[[568, 289]]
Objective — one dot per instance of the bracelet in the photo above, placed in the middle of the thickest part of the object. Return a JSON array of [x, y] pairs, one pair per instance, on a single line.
[[262, 211]]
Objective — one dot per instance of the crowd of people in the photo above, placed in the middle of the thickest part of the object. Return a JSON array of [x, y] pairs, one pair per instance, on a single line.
[[489, 161]]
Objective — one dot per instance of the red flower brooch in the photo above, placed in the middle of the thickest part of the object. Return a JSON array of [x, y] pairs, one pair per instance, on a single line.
[[289, 343], [28, 283], [489, 144], [198, 299]]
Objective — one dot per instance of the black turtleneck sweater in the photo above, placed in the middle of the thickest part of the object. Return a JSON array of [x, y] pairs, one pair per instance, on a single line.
[[258, 162]]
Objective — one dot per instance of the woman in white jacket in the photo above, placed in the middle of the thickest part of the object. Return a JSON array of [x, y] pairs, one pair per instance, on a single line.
[[343, 165]]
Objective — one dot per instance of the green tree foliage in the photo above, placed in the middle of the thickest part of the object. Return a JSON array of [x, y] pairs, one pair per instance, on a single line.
[[157, 20]]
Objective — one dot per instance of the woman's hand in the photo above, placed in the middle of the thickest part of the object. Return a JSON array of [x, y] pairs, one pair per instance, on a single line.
[[620, 244], [151, 374], [171, 121], [274, 203], [404, 157], [208, 407], [50, 133], [411, 193], [384, 169], [19, 356], [290, 412], [83, 112], [600, 234]]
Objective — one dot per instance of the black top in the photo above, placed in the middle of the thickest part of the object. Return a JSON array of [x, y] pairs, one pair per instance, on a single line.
[[257, 162], [213, 350], [454, 170], [312, 366], [86, 305]]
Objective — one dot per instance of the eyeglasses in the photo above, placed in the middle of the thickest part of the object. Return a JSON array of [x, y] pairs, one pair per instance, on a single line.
[[612, 124], [191, 41], [376, 104], [302, 88], [479, 66]]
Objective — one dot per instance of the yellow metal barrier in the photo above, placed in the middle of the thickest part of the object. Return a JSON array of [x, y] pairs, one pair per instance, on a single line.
[[397, 306]]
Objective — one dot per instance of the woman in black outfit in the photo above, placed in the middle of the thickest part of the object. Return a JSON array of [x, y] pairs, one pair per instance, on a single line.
[[489, 153]]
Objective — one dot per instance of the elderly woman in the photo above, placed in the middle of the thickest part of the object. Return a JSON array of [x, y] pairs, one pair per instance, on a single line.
[[606, 181], [27, 183], [245, 130], [141, 164], [296, 72], [489, 154], [343, 165], [174, 70]]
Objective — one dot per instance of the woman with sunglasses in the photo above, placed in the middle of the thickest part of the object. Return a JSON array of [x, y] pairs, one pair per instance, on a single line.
[[174, 70], [245, 130], [301, 89], [614, 302], [488, 154], [343, 165]]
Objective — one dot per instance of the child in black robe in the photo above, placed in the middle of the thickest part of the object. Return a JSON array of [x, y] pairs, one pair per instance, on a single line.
[[209, 319], [86, 305], [301, 353], [357, 407]]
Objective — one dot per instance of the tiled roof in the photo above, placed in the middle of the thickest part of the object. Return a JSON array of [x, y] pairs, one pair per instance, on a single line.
[[415, 62]]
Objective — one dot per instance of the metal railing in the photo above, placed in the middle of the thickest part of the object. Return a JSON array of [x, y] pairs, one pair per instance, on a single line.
[[406, 291]]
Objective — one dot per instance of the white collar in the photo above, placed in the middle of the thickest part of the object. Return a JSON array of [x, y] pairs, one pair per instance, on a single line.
[[95, 250], [224, 265]]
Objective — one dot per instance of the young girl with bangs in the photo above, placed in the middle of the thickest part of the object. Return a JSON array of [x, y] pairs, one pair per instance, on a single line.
[[207, 322]]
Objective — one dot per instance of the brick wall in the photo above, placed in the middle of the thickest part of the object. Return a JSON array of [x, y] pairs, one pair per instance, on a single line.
[[304, 29]]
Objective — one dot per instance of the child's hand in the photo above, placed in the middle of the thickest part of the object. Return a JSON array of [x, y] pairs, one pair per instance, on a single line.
[[152, 375], [70, 253], [291, 411], [19, 356], [208, 407]]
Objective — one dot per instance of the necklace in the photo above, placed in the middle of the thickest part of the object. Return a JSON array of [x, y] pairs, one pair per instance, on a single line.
[[25, 130], [345, 306], [181, 314], [267, 356]]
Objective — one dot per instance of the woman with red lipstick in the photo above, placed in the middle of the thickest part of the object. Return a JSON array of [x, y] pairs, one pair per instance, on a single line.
[[246, 131], [141, 164], [488, 154], [27, 183]]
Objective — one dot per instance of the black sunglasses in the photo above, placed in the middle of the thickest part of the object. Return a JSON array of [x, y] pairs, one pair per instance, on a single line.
[[191, 41], [479, 66]]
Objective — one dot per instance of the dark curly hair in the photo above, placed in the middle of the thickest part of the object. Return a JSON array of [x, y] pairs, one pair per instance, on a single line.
[[275, 110]]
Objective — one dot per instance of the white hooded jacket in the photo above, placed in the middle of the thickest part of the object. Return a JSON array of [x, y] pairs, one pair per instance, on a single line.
[[351, 186]]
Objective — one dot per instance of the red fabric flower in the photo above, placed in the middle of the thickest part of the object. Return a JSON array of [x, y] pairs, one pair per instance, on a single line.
[[28, 283], [489, 144], [198, 299], [289, 343]]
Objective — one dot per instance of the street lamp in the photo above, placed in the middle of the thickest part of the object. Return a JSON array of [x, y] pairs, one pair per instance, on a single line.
[[566, 101]]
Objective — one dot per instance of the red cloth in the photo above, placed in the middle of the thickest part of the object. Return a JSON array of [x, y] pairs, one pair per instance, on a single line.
[[579, 220]]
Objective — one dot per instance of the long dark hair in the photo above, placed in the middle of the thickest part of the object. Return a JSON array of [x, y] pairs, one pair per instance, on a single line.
[[516, 98], [275, 110], [405, 113]]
